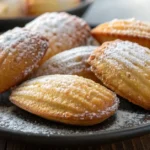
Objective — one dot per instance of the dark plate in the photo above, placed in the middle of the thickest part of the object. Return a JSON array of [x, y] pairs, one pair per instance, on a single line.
[[129, 121], [6, 24]]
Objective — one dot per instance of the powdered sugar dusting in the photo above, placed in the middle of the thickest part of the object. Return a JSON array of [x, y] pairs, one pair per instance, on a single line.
[[64, 31], [10, 39], [131, 54], [73, 61], [16, 119], [26, 47], [131, 27]]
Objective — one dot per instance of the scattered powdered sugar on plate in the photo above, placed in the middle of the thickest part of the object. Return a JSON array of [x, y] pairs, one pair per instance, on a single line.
[[13, 118]]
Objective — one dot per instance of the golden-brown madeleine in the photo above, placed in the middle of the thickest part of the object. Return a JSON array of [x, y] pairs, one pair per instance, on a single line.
[[38, 7], [12, 9], [66, 98], [64, 31], [20, 52], [124, 67], [72, 62], [130, 29]]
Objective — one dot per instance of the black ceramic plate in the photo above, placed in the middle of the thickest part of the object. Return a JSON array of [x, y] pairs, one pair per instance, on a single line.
[[129, 121], [6, 24]]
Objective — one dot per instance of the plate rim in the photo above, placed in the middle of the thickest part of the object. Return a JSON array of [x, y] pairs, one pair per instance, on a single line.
[[104, 137]]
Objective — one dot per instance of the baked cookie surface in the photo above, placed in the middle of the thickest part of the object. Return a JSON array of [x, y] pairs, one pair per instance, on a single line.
[[72, 62], [20, 53], [64, 31], [123, 67], [66, 98], [130, 29]]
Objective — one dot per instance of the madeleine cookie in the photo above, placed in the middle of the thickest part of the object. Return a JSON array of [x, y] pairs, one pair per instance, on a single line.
[[73, 62], [20, 52], [124, 67], [66, 98], [37, 7], [130, 29], [64, 31], [12, 9]]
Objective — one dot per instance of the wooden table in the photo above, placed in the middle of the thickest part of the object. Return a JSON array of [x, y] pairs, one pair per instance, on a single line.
[[139, 143]]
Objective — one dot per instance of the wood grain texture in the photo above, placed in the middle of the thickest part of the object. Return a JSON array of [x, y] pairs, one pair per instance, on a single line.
[[145, 142], [104, 147], [117, 146], [3, 144], [127, 145], [139, 143]]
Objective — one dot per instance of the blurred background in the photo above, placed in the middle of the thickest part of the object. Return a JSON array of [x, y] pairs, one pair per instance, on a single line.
[[106, 10], [18, 12], [28, 8]]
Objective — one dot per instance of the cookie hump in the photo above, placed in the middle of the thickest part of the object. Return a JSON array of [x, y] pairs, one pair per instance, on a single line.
[[124, 67], [63, 30], [73, 62], [130, 29], [20, 53], [68, 99]]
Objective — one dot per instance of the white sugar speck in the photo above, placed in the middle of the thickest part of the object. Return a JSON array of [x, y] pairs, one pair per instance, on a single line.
[[13, 118]]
